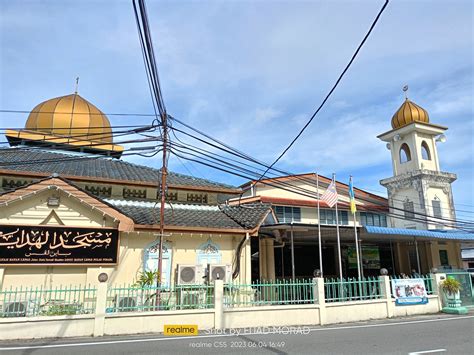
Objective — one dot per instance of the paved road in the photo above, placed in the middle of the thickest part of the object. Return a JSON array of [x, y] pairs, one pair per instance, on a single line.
[[440, 334]]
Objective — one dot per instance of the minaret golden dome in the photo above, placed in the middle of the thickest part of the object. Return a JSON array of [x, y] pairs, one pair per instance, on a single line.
[[70, 122], [409, 112]]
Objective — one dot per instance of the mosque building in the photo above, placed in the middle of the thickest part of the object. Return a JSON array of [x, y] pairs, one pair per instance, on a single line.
[[71, 208]]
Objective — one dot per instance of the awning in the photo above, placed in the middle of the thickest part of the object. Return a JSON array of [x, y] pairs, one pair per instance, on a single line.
[[431, 234]]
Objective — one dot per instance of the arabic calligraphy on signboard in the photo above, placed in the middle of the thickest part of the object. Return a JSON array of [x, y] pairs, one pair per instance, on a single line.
[[57, 245]]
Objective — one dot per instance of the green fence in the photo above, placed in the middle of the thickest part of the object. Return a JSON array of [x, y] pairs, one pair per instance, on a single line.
[[38, 301], [128, 298], [427, 279], [352, 289], [262, 293]]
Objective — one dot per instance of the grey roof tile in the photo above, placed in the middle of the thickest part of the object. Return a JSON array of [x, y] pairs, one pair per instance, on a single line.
[[72, 164], [226, 217]]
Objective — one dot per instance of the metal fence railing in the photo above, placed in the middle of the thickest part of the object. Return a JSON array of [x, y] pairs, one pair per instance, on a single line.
[[27, 302], [38, 301], [427, 279], [352, 289], [262, 293], [128, 298]]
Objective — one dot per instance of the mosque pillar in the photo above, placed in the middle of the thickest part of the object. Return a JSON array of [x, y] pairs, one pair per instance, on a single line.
[[262, 258], [270, 256]]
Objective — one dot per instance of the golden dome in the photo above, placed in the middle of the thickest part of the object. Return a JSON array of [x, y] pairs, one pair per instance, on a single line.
[[68, 122], [409, 112], [71, 116]]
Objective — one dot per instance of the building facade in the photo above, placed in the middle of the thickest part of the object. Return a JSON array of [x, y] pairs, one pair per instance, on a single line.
[[413, 230], [71, 209]]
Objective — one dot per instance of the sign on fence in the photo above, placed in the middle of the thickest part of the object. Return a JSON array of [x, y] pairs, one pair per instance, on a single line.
[[57, 245], [409, 291]]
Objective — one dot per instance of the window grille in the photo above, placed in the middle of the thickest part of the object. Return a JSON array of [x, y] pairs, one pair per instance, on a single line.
[[9, 184], [197, 198], [99, 191], [134, 193]]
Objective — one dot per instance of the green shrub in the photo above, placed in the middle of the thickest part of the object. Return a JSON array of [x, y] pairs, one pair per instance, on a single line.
[[62, 310], [450, 286]]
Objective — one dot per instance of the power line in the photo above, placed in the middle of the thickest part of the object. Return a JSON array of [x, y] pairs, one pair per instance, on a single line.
[[419, 204], [370, 201], [437, 221], [146, 43], [239, 171], [79, 113], [72, 158], [332, 89], [240, 154]]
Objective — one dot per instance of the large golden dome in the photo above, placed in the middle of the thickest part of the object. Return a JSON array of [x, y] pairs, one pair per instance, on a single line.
[[409, 112], [71, 116], [67, 122]]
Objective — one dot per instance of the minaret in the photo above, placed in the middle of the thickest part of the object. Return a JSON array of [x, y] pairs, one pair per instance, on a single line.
[[418, 187]]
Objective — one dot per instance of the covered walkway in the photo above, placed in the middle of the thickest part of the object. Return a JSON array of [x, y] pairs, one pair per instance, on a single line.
[[292, 250]]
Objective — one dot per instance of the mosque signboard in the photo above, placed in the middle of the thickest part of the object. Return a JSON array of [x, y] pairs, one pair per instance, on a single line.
[[51, 245]]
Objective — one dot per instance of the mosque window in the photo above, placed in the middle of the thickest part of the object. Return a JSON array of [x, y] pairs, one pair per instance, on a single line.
[[436, 203], [208, 253], [286, 214], [134, 193], [409, 209], [425, 151], [405, 154], [197, 198], [99, 191], [329, 217], [373, 219]]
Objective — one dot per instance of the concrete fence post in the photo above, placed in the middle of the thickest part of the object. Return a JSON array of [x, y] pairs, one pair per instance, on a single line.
[[218, 304], [100, 305], [386, 292], [321, 299], [2, 272], [436, 280]]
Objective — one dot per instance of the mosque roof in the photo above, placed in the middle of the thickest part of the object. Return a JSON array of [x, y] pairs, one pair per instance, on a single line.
[[42, 163]]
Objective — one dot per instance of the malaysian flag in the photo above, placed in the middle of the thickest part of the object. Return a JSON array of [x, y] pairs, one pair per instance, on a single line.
[[330, 195]]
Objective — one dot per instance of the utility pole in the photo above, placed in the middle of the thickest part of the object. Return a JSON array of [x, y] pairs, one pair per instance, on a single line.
[[162, 190]]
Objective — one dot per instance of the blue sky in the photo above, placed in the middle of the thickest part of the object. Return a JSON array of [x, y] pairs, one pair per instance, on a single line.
[[252, 72]]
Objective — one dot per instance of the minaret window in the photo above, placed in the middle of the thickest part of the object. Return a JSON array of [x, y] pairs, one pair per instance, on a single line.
[[425, 151], [409, 209], [436, 203], [405, 154]]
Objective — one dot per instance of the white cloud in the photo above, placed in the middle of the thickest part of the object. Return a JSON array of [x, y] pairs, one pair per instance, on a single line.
[[264, 115], [251, 73]]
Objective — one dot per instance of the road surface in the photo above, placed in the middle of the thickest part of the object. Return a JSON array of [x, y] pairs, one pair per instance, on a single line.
[[439, 334]]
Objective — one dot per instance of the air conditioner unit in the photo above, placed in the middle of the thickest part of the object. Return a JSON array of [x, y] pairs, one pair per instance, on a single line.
[[219, 272], [127, 303], [189, 275], [15, 309]]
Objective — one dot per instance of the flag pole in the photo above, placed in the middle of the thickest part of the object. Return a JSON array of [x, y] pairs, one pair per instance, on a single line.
[[353, 208], [337, 231], [319, 228]]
